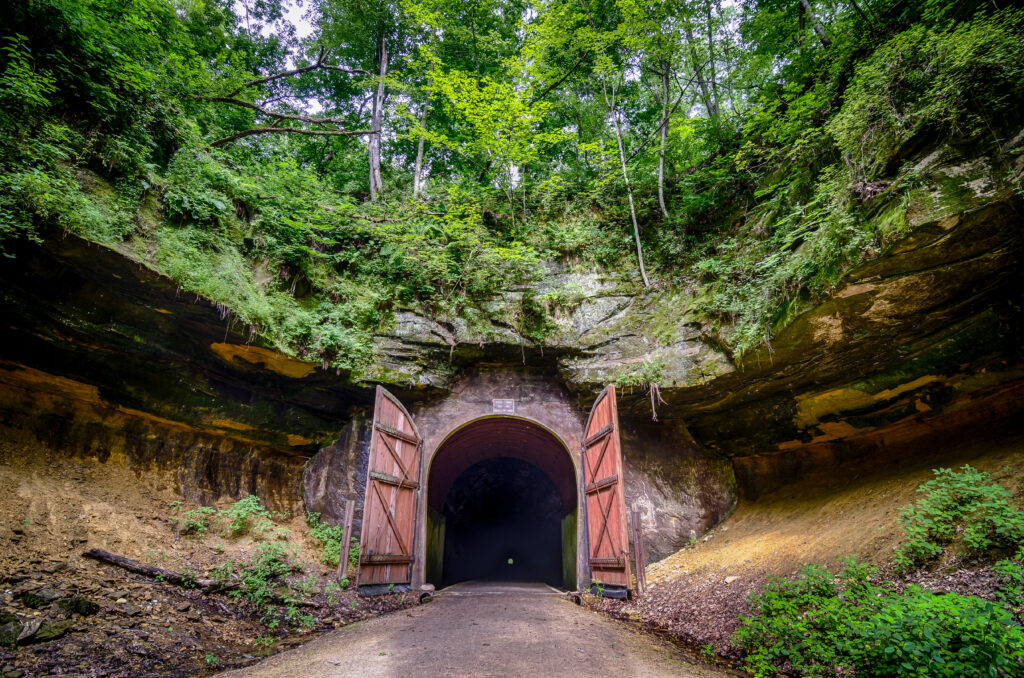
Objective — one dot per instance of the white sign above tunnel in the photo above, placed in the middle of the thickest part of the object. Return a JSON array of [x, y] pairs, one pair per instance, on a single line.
[[503, 406]]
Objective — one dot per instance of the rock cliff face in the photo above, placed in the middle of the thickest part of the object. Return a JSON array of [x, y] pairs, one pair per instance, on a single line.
[[105, 358]]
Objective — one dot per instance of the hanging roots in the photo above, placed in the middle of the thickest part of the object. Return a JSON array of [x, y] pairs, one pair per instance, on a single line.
[[655, 393]]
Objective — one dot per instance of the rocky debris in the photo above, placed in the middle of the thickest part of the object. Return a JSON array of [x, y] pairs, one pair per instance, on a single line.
[[128, 610], [696, 610], [39, 598], [157, 629], [29, 630]]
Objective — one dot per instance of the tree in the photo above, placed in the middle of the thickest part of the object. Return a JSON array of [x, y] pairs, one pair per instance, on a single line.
[[314, 125]]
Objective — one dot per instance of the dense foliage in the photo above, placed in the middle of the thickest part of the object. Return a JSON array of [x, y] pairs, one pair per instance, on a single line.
[[819, 624], [966, 506], [431, 154]]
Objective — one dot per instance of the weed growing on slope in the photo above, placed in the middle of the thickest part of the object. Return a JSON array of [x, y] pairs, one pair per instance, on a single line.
[[966, 505], [327, 536], [242, 517], [247, 514]]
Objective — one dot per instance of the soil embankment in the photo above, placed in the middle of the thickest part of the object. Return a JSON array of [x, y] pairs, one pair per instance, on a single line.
[[81, 616]]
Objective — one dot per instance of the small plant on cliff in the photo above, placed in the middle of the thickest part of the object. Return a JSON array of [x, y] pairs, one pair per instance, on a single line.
[[327, 536], [968, 505], [331, 591]]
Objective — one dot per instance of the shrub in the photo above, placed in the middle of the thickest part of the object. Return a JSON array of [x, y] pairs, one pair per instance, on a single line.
[[327, 536], [968, 503], [197, 521], [247, 514], [353, 555], [1011, 591], [823, 625]]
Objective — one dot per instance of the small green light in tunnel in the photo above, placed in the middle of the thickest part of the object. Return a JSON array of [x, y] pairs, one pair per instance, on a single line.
[[509, 561]]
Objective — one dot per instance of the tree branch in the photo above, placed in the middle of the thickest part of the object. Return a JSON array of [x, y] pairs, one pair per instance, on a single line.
[[317, 65], [292, 130], [657, 130], [157, 572], [547, 90], [273, 114]]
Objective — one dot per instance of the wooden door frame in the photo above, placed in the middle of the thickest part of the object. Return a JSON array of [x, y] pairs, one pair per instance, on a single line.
[[426, 464]]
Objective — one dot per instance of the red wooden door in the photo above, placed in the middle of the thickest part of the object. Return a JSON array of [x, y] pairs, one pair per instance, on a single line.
[[603, 488], [392, 485]]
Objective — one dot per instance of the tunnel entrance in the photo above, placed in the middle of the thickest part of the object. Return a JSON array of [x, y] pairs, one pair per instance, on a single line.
[[502, 505]]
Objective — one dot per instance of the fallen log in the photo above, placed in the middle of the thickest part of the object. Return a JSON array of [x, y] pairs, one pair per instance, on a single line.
[[154, 572]]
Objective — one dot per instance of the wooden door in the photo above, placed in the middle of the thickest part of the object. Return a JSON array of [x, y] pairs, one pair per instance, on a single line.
[[607, 537], [392, 486]]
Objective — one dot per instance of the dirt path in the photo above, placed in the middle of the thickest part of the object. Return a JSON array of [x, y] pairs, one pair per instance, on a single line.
[[486, 630]]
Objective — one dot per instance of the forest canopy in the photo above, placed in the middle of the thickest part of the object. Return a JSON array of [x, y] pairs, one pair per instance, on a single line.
[[432, 154]]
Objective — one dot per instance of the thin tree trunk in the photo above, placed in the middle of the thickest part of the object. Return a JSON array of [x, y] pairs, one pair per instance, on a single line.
[[625, 178], [705, 93], [664, 135], [417, 183], [861, 12], [711, 61], [819, 30], [377, 117]]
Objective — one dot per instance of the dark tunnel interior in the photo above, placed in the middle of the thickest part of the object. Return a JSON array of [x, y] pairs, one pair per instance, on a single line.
[[503, 522]]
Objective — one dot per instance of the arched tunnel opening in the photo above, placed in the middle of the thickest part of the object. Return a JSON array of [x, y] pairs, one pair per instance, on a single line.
[[501, 506]]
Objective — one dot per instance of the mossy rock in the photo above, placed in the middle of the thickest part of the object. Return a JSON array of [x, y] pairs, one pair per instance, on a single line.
[[10, 629], [52, 631], [79, 605], [39, 598]]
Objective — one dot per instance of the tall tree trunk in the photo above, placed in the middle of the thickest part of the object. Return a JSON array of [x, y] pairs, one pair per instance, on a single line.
[[819, 30], [417, 182], [625, 178], [377, 117], [664, 133]]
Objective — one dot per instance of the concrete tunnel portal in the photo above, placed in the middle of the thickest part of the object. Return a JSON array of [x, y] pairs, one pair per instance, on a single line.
[[502, 504]]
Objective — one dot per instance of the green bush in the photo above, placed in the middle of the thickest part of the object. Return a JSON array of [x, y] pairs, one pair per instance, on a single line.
[[968, 504], [353, 555], [247, 514], [197, 521], [327, 536], [823, 625], [1011, 590]]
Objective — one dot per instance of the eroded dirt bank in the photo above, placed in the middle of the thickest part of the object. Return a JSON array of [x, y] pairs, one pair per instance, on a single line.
[[78, 616]]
